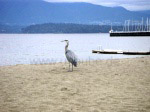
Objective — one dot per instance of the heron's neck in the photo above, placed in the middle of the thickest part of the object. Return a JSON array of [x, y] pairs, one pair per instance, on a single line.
[[66, 47]]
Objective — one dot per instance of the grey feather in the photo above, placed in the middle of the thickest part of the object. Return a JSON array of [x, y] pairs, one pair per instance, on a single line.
[[71, 57]]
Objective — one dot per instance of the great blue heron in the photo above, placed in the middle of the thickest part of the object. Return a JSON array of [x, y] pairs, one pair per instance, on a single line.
[[71, 57]]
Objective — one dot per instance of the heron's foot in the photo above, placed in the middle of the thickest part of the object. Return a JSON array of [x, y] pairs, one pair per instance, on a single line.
[[70, 71]]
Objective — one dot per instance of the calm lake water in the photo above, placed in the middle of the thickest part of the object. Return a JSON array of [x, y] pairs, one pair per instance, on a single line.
[[46, 48]]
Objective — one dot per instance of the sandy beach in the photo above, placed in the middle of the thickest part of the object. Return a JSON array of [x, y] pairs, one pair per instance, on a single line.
[[120, 85]]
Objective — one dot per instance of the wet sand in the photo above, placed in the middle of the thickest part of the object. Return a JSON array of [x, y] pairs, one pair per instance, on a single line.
[[121, 85]]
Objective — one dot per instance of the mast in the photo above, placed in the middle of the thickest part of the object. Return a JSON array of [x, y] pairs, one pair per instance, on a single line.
[[128, 25], [147, 24], [142, 23], [111, 26]]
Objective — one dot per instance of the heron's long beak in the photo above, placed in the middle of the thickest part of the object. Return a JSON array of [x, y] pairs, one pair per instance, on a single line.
[[64, 41]]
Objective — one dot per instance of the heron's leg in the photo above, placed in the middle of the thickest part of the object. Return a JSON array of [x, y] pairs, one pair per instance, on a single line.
[[72, 67], [69, 66]]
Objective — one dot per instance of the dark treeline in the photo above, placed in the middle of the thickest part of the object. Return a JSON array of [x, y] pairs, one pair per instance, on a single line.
[[68, 28]]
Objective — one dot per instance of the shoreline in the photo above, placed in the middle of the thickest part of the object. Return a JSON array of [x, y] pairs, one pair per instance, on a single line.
[[81, 61], [101, 85]]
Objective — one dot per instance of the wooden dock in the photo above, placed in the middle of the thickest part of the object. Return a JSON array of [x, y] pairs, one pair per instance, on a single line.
[[130, 33], [120, 52]]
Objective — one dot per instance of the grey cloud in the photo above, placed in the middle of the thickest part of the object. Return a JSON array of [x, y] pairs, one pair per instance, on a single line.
[[128, 4]]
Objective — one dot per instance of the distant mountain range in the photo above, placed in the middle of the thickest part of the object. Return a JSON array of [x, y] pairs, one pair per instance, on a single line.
[[28, 12]]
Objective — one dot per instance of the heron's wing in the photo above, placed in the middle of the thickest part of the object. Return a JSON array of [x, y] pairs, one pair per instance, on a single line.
[[71, 57]]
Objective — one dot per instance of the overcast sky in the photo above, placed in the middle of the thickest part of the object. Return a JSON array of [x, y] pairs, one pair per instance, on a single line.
[[133, 5]]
